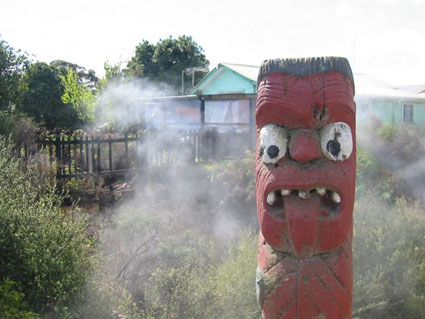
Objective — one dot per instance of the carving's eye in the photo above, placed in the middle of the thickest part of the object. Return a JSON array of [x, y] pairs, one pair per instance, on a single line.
[[273, 142], [336, 141]]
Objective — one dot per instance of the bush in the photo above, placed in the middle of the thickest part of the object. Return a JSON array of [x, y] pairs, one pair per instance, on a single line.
[[389, 259], [12, 305], [233, 183], [44, 251], [20, 127], [370, 176], [235, 281]]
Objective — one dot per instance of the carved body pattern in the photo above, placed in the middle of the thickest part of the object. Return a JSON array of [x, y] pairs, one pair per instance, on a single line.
[[305, 174]]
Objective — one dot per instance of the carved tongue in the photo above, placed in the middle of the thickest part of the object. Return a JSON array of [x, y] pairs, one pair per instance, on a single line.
[[303, 217]]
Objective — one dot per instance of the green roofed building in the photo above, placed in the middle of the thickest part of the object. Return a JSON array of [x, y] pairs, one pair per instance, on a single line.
[[221, 107], [375, 99], [228, 78], [378, 100]]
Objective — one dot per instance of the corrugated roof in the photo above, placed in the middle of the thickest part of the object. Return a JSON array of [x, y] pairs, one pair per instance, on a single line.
[[369, 86], [248, 71], [420, 88]]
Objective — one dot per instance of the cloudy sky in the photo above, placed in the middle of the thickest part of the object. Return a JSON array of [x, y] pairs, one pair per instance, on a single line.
[[382, 38]]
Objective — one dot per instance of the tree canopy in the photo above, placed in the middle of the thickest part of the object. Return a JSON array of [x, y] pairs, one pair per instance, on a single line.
[[12, 67], [165, 61], [41, 97], [88, 78]]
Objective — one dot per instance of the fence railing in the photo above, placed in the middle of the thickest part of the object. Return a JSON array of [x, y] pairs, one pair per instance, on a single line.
[[84, 155], [75, 156]]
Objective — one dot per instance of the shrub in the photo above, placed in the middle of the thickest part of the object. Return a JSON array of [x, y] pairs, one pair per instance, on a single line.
[[235, 280], [233, 183], [12, 305], [370, 176], [389, 259], [19, 126], [44, 251]]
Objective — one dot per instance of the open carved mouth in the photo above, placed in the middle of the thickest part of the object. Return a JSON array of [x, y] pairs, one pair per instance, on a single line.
[[330, 200]]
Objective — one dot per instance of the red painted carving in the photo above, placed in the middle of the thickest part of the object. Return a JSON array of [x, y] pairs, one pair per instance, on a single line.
[[305, 174]]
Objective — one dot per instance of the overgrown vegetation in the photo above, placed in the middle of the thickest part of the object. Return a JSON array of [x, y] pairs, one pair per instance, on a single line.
[[389, 225], [185, 245], [45, 256]]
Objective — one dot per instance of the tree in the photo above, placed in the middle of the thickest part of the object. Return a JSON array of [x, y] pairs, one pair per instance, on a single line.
[[41, 98], [12, 66], [142, 61], [84, 98], [165, 61], [79, 95], [88, 78]]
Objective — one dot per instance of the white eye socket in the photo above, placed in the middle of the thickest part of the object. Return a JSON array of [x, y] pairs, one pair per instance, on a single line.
[[336, 141], [273, 143]]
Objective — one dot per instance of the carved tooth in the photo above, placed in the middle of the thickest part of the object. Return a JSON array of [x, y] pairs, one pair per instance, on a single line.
[[321, 191], [285, 192], [304, 194], [335, 197], [271, 198]]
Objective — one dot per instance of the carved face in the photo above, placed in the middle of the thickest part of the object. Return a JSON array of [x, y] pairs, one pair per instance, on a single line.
[[305, 164]]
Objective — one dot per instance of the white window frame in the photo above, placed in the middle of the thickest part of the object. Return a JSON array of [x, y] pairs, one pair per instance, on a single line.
[[403, 110]]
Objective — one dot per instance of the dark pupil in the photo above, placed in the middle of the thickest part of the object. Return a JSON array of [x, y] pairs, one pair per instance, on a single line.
[[273, 151], [333, 147]]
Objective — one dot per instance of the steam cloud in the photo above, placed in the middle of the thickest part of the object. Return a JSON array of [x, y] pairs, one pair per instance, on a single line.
[[184, 195]]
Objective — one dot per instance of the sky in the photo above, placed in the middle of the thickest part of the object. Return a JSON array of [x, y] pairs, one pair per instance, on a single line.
[[381, 38]]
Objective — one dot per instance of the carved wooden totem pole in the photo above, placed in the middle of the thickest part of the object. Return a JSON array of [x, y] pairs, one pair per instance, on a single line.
[[305, 174]]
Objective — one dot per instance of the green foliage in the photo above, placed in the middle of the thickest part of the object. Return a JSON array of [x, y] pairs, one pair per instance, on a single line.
[[44, 251], [388, 229], [6, 123], [165, 61], [371, 177], [85, 98], [79, 95], [387, 131], [106, 298], [191, 283], [180, 285], [112, 72], [41, 98], [142, 62], [234, 185], [19, 127], [12, 67], [235, 281], [389, 257], [129, 254], [404, 142], [88, 78], [12, 305]]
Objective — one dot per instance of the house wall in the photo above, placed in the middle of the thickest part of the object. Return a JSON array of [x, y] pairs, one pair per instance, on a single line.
[[388, 110], [230, 82], [419, 112]]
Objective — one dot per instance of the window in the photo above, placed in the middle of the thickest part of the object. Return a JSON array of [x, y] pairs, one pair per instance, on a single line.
[[408, 113], [227, 111]]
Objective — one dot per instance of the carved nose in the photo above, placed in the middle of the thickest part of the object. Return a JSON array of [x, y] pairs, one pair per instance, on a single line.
[[304, 146]]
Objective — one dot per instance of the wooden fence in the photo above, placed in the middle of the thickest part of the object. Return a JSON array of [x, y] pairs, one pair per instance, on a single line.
[[76, 156], [79, 156]]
